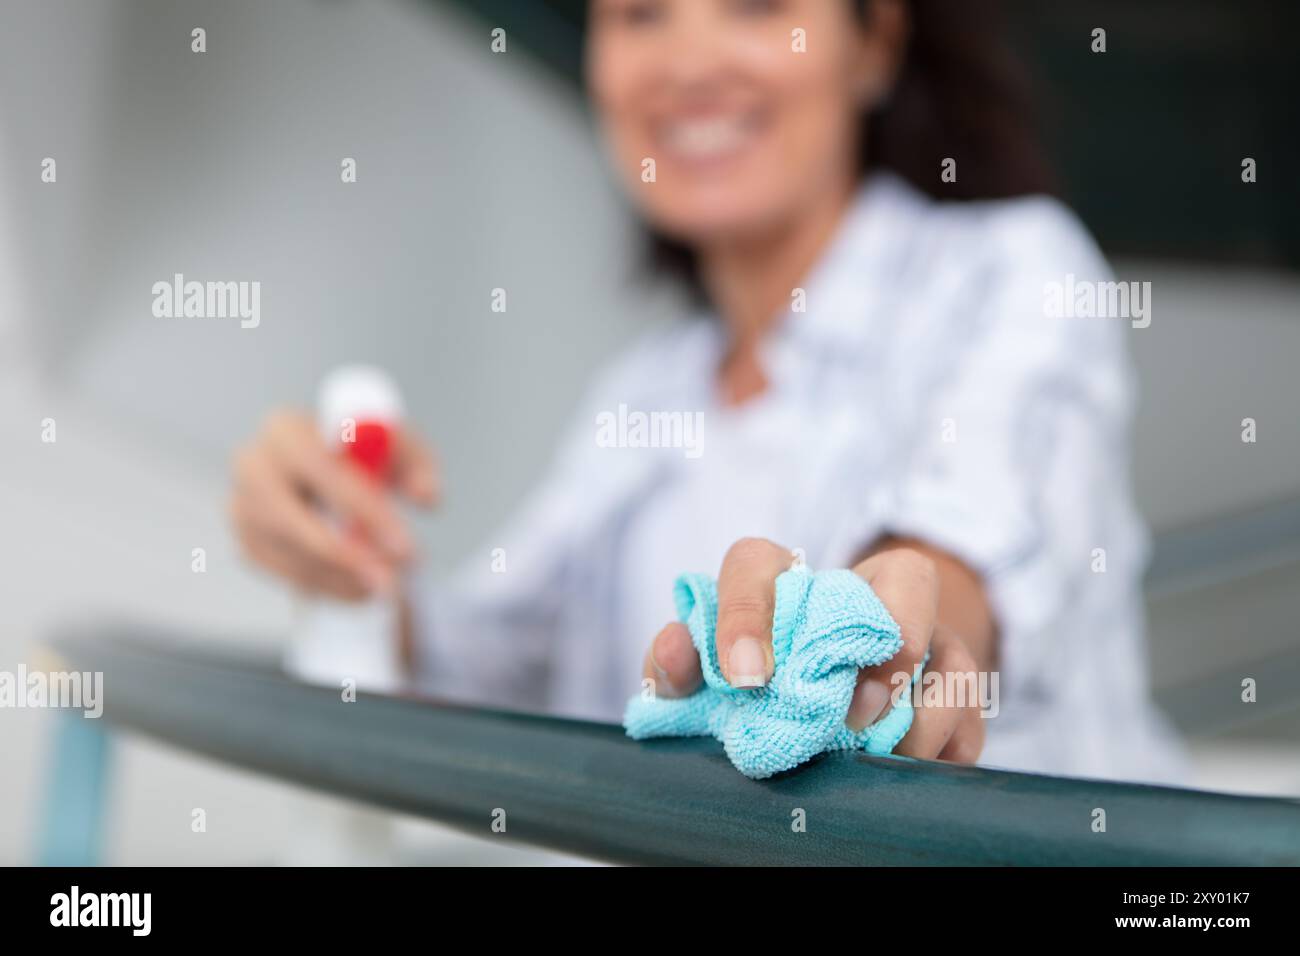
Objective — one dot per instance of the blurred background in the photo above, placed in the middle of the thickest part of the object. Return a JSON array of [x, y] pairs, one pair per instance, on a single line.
[[477, 170]]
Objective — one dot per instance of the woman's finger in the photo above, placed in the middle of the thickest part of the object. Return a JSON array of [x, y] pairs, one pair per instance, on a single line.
[[943, 724], [961, 674], [931, 729], [672, 662], [967, 740], [907, 583], [343, 489], [272, 517], [307, 576], [877, 690], [746, 600], [415, 469]]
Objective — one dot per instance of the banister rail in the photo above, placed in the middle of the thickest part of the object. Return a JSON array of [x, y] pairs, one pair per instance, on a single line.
[[585, 788]]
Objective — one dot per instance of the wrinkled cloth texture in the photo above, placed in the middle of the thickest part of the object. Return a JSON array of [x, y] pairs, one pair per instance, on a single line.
[[826, 627]]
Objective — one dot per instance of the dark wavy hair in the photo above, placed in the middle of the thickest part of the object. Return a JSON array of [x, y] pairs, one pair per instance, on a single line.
[[961, 92]]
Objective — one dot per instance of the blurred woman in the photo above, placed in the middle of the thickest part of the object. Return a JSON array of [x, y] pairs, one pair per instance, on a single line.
[[856, 198]]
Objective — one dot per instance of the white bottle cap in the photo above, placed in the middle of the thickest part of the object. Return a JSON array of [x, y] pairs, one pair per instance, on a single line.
[[358, 392]]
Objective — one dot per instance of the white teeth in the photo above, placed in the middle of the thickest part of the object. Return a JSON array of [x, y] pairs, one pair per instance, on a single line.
[[705, 138]]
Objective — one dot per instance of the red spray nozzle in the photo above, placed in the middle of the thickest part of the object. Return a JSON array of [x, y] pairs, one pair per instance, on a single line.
[[358, 407], [372, 449]]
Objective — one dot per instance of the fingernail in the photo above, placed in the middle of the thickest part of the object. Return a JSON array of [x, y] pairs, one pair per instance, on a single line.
[[869, 702], [661, 675], [747, 664]]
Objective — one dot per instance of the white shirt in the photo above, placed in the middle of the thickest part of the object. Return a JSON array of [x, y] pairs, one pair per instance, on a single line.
[[924, 392]]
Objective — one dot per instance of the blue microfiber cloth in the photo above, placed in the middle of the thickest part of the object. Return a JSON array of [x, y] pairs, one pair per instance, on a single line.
[[826, 627]]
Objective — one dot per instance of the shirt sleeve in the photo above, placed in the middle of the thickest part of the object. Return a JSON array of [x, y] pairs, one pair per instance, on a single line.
[[1020, 465]]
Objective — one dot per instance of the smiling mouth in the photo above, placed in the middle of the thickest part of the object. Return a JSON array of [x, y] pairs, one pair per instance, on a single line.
[[709, 140]]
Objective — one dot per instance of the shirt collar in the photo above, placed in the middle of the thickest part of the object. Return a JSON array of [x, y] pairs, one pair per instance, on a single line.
[[844, 294], [859, 269]]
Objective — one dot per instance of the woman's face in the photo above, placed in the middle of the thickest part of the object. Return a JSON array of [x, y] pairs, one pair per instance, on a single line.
[[726, 118]]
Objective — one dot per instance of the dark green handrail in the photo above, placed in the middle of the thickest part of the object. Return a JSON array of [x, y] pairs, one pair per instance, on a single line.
[[585, 788]]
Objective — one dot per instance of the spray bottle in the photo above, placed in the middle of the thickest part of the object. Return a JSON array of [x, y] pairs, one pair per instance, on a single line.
[[358, 412]]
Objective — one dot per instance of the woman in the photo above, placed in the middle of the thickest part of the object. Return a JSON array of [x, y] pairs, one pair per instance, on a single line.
[[880, 388]]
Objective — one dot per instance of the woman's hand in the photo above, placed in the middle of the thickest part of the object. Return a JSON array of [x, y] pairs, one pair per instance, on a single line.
[[906, 580], [293, 495]]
